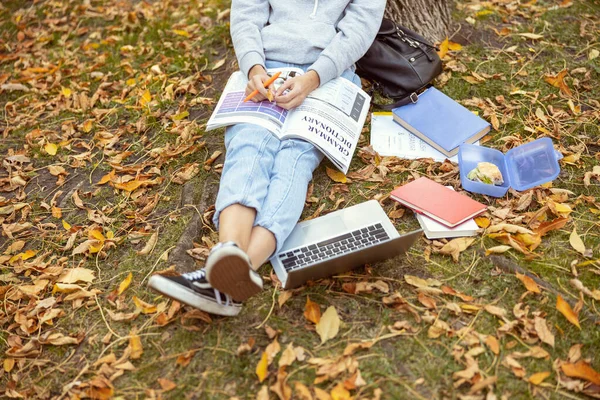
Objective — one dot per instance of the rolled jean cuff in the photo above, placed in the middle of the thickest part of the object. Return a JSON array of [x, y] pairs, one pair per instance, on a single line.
[[246, 201], [276, 230]]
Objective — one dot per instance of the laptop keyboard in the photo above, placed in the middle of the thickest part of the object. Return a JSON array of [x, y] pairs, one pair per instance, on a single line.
[[346, 243]]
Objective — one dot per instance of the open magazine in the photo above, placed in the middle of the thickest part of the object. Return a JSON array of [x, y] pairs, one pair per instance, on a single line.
[[331, 117]]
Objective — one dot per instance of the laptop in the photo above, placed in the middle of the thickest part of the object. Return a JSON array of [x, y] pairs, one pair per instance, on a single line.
[[338, 242]]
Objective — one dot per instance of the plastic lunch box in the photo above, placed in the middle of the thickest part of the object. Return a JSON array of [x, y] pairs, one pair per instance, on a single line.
[[522, 168]]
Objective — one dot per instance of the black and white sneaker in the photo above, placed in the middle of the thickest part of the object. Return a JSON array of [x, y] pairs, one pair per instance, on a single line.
[[194, 290], [229, 269]]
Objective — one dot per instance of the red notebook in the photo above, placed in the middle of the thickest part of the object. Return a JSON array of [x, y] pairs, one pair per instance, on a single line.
[[437, 202]]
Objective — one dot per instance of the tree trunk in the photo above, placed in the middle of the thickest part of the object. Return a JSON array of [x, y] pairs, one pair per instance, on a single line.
[[430, 18]]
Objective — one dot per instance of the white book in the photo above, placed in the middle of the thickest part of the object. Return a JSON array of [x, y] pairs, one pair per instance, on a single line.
[[435, 230]]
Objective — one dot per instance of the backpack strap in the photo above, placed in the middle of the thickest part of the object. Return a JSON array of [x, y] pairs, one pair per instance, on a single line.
[[413, 98]]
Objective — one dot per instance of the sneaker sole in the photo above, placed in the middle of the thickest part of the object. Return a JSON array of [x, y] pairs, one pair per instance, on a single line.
[[187, 296], [231, 274]]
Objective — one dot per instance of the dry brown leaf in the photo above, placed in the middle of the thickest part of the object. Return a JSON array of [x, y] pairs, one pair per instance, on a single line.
[[288, 356], [312, 311], [272, 350], [497, 311], [284, 296], [510, 228], [213, 157], [355, 381], [420, 282], [532, 36], [166, 384], [353, 347], [438, 329], [302, 391], [368, 287], [456, 246], [77, 200], [427, 301], [329, 324], [529, 283], [566, 310], [73, 275], [541, 328], [280, 387], [149, 245], [497, 250], [575, 353], [184, 359], [449, 290], [263, 393], [493, 344], [558, 81]]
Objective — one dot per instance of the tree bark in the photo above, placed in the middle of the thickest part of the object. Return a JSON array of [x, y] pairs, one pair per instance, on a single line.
[[430, 18]]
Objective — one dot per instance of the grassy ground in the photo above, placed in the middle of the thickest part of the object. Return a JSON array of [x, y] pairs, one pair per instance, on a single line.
[[95, 88]]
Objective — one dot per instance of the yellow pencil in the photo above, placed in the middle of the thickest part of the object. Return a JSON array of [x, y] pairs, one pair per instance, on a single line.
[[266, 84]]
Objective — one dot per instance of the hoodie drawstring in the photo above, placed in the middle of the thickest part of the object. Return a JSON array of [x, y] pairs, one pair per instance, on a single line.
[[314, 12]]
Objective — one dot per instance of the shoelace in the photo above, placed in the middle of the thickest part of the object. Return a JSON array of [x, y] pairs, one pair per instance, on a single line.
[[200, 274], [195, 275]]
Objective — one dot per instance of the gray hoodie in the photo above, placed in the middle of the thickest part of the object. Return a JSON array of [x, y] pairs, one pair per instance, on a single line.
[[331, 35]]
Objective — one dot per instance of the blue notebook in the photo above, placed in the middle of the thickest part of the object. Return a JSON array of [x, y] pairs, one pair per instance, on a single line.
[[441, 122]]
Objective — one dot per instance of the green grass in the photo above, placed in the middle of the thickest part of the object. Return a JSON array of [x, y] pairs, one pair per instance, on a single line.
[[404, 367]]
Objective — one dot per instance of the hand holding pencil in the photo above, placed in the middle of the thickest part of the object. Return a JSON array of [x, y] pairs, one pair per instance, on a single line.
[[266, 85]]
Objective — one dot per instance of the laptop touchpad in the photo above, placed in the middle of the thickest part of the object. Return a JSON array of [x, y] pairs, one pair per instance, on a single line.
[[326, 228]]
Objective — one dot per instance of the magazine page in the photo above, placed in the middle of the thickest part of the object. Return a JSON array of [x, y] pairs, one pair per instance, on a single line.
[[231, 108], [332, 118]]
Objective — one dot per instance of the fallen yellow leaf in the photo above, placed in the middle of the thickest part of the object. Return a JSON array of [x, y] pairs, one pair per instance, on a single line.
[[329, 324], [135, 343], [51, 148], [340, 393], [582, 370], [312, 311], [576, 242], [529, 283], [125, 284], [146, 98], [538, 378], [261, 367], [146, 308], [444, 47], [335, 175], [566, 310], [181, 32]]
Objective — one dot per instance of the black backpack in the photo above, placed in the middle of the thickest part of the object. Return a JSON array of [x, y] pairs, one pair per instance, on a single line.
[[400, 63]]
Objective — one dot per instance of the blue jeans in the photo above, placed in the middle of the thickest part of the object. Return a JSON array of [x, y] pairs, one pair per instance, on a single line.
[[267, 174]]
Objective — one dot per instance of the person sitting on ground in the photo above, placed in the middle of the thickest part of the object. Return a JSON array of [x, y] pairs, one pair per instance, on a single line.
[[264, 180]]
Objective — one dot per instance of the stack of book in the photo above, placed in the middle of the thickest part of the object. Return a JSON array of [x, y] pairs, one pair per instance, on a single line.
[[442, 212]]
